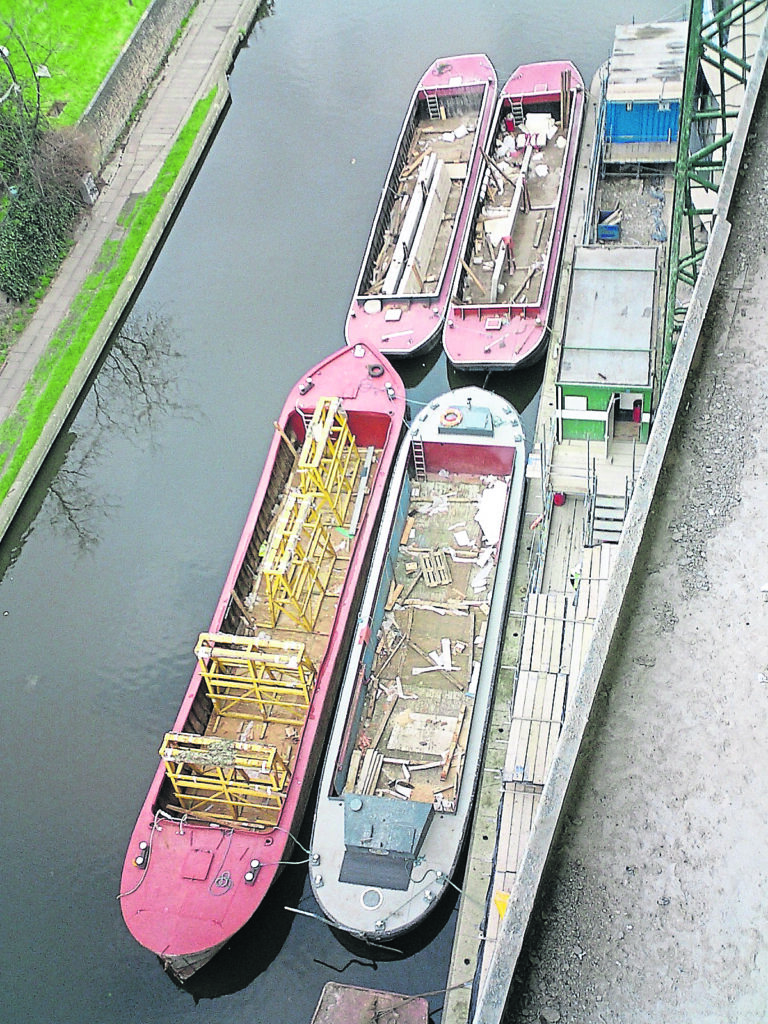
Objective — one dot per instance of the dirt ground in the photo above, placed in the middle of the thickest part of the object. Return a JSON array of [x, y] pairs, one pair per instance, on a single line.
[[654, 907]]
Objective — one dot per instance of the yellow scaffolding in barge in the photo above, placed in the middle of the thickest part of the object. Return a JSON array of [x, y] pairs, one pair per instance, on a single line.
[[330, 459], [256, 678], [298, 563], [224, 780]]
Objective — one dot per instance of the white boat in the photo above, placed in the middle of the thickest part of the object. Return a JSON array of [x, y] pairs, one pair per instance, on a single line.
[[399, 777]]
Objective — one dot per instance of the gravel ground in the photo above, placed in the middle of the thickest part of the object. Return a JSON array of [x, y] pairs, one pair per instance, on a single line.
[[654, 905]]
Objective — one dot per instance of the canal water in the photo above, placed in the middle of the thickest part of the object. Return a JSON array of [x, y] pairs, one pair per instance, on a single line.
[[114, 564]]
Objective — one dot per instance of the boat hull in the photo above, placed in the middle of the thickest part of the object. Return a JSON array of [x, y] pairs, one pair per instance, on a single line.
[[500, 311], [385, 845], [409, 267], [192, 877]]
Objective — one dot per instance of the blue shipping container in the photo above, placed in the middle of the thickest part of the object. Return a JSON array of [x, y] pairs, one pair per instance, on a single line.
[[642, 122]]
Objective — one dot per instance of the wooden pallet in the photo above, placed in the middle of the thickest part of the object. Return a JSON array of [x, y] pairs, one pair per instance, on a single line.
[[435, 569]]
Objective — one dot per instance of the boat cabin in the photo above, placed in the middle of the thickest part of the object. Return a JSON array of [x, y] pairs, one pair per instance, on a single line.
[[644, 91], [604, 387]]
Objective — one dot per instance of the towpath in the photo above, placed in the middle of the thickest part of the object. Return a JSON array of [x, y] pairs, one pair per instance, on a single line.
[[202, 58]]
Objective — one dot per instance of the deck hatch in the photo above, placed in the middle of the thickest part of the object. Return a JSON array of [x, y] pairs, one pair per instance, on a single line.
[[473, 421], [382, 839]]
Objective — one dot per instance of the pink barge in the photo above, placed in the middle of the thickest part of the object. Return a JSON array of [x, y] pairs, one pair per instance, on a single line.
[[236, 771], [410, 262], [511, 252]]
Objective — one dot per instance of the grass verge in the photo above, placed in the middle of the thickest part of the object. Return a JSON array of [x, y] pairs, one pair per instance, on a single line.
[[77, 42], [22, 429]]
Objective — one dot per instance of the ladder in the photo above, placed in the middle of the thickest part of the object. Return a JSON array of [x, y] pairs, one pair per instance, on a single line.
[[433, 105], [419, 463], [517, 112]]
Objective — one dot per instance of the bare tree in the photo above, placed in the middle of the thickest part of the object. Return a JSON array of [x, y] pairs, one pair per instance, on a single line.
[[41, 171]]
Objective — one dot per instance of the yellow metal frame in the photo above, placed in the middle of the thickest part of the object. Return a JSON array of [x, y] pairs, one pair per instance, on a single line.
[[256, 677], [330, 459], [225, 780], [298, 563]]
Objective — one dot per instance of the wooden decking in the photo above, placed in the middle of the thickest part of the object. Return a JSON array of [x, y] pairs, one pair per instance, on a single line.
[[615, 464], [556, 631]]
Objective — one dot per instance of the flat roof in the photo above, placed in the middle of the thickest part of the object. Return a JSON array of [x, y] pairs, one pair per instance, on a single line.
[[647, 62], [609, 329]]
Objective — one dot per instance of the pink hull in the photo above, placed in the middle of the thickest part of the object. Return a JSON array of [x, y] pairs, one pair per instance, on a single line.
[[508, 335], [409, 321], [192, 890]]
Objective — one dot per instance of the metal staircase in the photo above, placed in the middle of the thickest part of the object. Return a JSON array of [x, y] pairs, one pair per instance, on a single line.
[[433, 105]]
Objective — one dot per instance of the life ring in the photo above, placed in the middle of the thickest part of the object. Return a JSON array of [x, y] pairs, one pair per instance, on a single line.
[[451, 417], [375, 370]]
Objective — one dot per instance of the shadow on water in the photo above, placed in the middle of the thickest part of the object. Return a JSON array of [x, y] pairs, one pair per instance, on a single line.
[[130, 388], [410, 943], [259, 945], [256, 946], [519, 387], [413, 372]]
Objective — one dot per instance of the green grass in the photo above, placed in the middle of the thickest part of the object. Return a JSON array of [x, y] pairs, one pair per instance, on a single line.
[[20, 431], [77, 40]]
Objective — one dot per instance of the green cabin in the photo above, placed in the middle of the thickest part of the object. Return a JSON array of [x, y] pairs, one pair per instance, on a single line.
[[604, 386]]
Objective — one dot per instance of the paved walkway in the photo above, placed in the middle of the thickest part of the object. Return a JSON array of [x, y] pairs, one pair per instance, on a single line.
[[202, 58]]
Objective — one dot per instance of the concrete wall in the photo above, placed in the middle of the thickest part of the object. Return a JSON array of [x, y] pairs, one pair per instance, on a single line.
[[131, 74]]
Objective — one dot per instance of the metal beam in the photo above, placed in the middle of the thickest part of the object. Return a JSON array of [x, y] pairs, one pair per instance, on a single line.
[[706, 106]]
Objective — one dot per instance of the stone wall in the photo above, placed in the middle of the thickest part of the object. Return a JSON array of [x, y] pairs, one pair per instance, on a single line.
[[132, 73]]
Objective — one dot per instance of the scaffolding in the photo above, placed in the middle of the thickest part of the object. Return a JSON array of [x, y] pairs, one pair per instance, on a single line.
[[224, 780], [330, 460], [298, 563], [256, 678]]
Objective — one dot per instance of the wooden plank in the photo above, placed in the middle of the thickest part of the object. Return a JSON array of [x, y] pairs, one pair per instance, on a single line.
[[511, 757], [547, 633], [537, 711], [554, 737], [567, 650], [452, 746], [560, 698], [544, 753], [558, 617], [505, 826], [549, 696], [530, 695], [521, 694], [514, 765], [529, 627], [516, 833], [530, 754], [538, 639]]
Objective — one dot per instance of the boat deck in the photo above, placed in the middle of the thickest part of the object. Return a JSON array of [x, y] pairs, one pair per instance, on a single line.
[[526, 214], [418, 710], [260, 678], [450, 138]]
